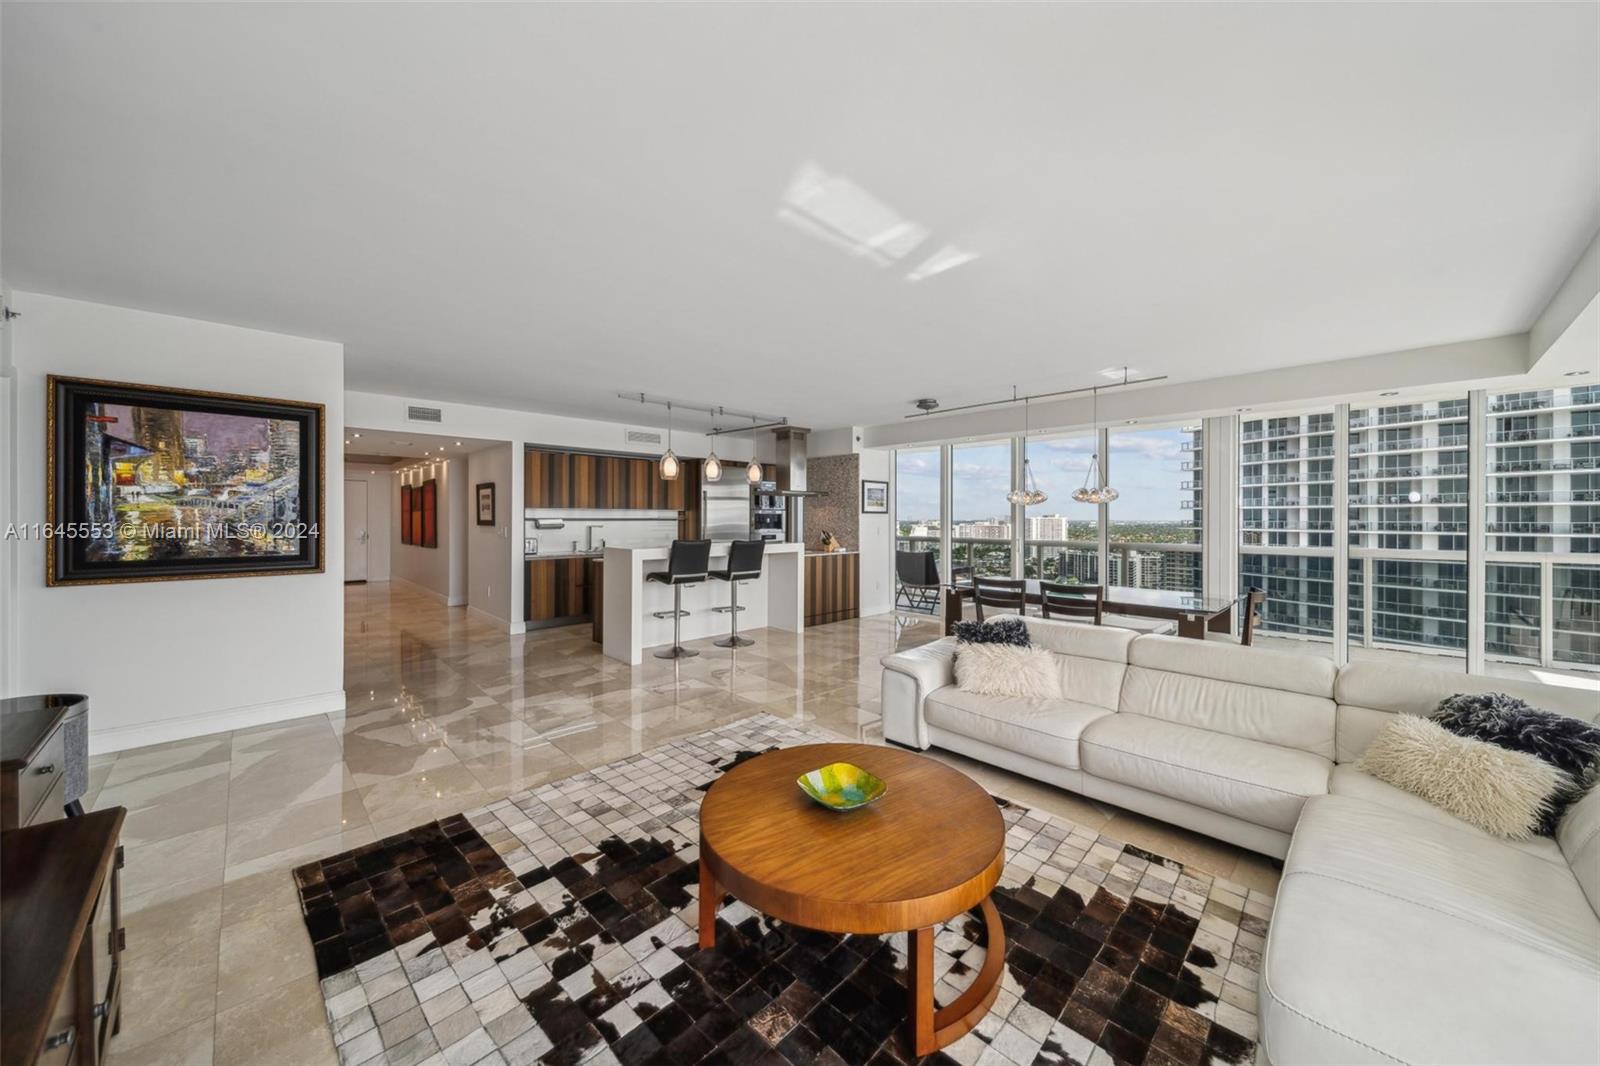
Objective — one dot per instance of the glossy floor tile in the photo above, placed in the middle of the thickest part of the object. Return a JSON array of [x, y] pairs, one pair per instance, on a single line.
[[444, 713]]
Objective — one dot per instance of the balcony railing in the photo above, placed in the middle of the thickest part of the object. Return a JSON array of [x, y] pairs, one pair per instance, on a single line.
[[1539, 466], [1421, 444], [1554, 529], [1404, 499], [1397, 473], [1394, 526], [1590, 431], [1547, 496], [1400, 418]]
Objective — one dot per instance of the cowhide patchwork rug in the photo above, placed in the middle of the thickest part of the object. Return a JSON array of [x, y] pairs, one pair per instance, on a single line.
[[559, 926]]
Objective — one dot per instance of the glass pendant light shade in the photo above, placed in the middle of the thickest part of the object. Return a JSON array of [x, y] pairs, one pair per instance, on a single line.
[[1093, 491], [670, 466], [1028, 493], [752, 473], [711, 470]]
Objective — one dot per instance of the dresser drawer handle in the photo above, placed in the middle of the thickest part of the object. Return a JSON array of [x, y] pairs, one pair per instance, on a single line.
[[47, 768], [58, 1039]]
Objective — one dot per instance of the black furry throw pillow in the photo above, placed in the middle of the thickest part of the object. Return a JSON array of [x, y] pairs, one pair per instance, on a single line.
[[1565, 743], [1011, 630]]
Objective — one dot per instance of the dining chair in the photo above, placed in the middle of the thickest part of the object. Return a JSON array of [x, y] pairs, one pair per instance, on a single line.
[[1085, 603], [917, 583], [1002, 593], [1254, 602]]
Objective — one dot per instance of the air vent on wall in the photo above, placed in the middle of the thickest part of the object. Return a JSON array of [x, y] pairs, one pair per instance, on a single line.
[[650, 437], [424, 414]]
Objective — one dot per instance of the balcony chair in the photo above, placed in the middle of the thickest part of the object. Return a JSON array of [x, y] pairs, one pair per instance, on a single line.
[[916, 586]]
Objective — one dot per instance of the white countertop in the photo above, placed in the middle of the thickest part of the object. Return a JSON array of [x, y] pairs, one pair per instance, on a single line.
[[718, 547]]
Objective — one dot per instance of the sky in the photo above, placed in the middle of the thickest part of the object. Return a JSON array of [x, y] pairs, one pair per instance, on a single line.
[[1146, 468]]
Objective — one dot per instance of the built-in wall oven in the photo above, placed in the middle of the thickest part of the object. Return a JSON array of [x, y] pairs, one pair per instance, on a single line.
[[767, 510]]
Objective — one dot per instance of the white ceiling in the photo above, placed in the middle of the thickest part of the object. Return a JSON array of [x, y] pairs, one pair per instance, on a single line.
[[375, 442], [536, 206]]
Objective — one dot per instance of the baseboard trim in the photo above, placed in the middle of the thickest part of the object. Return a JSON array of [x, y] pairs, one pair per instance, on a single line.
[[487, 616], [121, 738], [422, 588]]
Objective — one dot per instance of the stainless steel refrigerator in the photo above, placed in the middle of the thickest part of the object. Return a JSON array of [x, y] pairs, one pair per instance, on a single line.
[[725, 513]]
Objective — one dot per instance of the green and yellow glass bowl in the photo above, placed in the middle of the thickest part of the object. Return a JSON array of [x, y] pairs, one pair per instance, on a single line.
[[840, 786]]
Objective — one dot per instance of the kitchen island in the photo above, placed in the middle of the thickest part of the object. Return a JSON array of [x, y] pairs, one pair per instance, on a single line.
[[775, 600]]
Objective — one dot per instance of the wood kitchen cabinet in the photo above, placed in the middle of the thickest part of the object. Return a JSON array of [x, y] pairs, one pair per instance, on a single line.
[[547, 479], [580, 480], [556, 591]]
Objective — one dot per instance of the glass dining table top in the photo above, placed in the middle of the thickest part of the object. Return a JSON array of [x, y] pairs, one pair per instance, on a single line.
[[1166, 600]]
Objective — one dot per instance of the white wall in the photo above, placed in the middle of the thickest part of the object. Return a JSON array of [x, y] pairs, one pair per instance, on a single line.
[[490, 554], [877, 540], [524, 428], [382, 514], [171, 659], [441, 570]]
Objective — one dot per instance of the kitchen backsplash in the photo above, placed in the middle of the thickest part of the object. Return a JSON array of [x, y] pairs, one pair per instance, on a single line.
[[839, 512], [612, 532]]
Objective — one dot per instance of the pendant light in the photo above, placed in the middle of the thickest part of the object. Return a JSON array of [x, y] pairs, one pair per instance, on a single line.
[[711, 469], [752, 473], [1028, 493], [670, 466], [1093, 491]]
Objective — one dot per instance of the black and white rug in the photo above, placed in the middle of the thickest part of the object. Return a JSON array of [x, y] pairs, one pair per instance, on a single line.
[[559, 926]]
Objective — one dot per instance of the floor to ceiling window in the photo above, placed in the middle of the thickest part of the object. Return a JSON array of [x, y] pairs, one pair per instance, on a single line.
[[1408, 527], [1286, 520], [1542, 527], [916, 501], [1061, 537], [1156, 520], [980, 515]]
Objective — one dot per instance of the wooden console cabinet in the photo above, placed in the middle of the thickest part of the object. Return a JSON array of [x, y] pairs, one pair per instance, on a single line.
[[61, 940]]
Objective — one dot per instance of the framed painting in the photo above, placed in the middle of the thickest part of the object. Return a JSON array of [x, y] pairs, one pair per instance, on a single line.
[[145, 483], [486, 504], [405, 514], [429, 514], [874, 497]]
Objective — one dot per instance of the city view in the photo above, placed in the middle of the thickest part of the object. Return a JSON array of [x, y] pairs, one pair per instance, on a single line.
[[1154, 525]]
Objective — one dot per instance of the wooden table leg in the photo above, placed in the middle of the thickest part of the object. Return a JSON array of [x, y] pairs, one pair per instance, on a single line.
[[1222, 622], [710, 896], [919, 983], [1192, 626], [933, 1028]]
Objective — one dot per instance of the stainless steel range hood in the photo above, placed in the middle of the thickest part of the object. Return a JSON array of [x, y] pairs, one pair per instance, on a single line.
[[791, 479]]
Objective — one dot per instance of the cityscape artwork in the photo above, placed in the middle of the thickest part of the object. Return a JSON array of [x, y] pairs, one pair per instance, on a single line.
[[156, 484]]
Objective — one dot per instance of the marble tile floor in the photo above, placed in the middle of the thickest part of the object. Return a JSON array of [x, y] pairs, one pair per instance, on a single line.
[[445, 712]]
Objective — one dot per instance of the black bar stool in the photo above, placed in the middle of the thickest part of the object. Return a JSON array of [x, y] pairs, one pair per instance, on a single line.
[[744, 564], [687, 564]]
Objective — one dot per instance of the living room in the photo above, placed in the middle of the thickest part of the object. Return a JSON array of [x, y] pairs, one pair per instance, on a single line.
[[790, 533]]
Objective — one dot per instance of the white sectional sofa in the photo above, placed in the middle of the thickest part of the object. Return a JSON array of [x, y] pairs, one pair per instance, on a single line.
[[1400, 934]]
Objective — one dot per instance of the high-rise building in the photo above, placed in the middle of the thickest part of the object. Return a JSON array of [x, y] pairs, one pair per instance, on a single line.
[[160, 430]]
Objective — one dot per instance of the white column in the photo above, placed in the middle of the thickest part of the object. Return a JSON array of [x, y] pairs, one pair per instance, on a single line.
[[1341, 535], [1019, 511], [946, 572], [1102, 447], [1477, 518], [1219, 484]]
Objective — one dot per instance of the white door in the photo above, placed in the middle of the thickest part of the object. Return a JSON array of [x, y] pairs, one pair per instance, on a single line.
[[355, 530]]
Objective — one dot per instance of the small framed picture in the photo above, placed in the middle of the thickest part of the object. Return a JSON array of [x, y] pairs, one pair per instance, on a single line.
[[486, 504], [874, 497]]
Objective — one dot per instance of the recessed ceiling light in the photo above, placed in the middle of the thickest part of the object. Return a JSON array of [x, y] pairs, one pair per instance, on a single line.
[[355, 434], [1244, 409], [1576, 374], [458, 444], [1129, 421], [1391, 392]]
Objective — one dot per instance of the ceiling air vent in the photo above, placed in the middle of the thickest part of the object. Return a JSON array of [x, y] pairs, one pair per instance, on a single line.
[[424, 414], [651, 437]]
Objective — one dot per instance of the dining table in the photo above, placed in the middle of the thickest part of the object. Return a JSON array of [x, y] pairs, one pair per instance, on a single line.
[[1195, 613]]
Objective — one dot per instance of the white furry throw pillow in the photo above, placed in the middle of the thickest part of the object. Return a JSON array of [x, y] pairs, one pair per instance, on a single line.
[[1500, 791], [1006, 670]]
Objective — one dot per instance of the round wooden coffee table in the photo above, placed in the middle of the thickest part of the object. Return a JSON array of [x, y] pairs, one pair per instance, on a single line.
[[930, 849]]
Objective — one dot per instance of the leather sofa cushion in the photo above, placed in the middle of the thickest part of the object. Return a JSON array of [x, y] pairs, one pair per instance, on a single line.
[[1093, 659], [1346, 780], [1261, 783], [1046, 730], [1578, 836], [1274, 697], [1397, 938], [1369, 693]]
